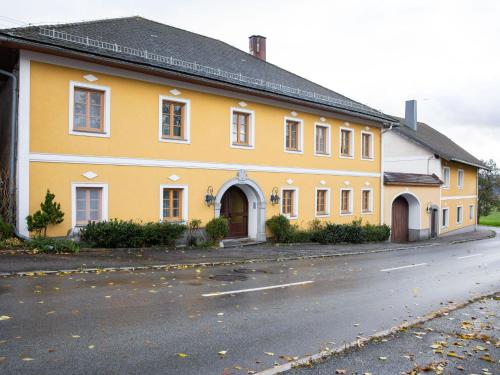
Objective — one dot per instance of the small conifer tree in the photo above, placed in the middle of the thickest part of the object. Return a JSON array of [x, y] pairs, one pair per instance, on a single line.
[[49, 214]]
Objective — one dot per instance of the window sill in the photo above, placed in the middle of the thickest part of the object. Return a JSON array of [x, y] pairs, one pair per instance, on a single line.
[[290, 151], [346, 156], [368, 159], [322, 215], [324, 155], [175, 140], [345, 214], [89, 134], [242, 146], [367, 213]]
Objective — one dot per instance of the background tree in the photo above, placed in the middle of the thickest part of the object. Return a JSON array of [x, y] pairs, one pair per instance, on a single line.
[[49, 214], [489, 188]]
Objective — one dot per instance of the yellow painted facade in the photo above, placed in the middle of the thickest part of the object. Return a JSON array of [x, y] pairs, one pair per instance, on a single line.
[[455, 196], [134, 190]]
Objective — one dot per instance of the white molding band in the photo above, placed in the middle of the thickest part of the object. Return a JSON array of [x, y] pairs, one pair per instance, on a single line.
[[453, 197], [161, 163]]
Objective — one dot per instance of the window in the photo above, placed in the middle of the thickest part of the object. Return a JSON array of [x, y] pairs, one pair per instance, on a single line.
[[289, 202], [366, 146], [346, 143], [242, 128], [173, 203], [445, 218], [322, 140], [366, 201], [89, 203], [89, 110], [446, 177], [174, 120], [322, 202], [460, 213], [471, 212], [460, 175], [345, 201], [293, 135]]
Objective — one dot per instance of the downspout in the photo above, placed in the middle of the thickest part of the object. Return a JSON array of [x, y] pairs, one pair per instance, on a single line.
[[382, 172], [13, 137]]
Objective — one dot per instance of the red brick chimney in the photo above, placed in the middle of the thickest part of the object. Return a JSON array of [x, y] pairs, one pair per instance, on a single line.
[[258, 46]]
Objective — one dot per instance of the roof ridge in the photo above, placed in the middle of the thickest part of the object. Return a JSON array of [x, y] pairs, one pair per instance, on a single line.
[[51, 24]]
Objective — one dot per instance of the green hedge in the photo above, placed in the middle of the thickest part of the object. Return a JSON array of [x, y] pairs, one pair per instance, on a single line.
[[52, 245], [217, 229], [119, 233], [326, 233]]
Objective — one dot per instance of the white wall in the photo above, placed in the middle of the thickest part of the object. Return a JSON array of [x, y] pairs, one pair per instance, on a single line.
[[403, 155]]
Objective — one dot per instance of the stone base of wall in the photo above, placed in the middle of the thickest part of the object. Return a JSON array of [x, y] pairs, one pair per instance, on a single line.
[[467, 229], [418, 234]]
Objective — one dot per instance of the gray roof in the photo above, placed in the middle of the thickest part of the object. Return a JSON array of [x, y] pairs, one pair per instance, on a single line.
[[173, 49], [438, 143], [396, 178]]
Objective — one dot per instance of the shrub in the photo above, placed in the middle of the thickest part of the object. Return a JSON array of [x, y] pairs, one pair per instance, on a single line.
[[49, 214], [11, 243], [52, 245], [217, 229], [119, 233], [297, 235], [376, 233], [193, 229], [280, 228], [5, 230]]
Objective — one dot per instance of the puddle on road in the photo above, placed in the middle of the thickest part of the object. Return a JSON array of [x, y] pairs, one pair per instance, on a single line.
[[228, 277]]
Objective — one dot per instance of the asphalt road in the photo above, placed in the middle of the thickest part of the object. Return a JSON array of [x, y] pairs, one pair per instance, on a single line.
[[159, 322]]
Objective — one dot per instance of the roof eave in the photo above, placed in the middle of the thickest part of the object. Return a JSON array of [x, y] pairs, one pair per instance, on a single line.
[[23, 43]]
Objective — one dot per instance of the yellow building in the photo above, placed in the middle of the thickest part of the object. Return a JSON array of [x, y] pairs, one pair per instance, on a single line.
[[430, 183], [174, 126]]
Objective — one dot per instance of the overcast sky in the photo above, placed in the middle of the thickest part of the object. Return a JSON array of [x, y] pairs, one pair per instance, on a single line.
[[445, 54]]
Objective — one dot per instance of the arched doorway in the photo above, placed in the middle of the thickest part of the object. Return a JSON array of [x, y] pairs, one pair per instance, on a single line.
[[255, 203], [400, 213], [234, 207], [405, 218]]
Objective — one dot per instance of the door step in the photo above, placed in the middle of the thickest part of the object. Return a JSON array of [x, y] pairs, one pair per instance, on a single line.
[[240, 242]]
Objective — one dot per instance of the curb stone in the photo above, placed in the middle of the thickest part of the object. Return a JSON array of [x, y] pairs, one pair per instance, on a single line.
[[228, 262], [325, 354]]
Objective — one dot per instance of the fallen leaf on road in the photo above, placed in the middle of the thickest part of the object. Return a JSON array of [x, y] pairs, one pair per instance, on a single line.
[[382, 358], [222, 352], [340, 371], [455, 355], [75, 336], [4, 317], [153, 291], [182, 355], [27, 359], [487, 358], [91, 346], [2, 359], [269, 353]]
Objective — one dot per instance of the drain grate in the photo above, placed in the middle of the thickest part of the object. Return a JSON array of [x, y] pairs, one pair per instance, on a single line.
[[248, 270], [230, 277]]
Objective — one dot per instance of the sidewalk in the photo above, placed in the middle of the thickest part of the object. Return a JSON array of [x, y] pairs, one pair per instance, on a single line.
[[12, 263], [464, 341]]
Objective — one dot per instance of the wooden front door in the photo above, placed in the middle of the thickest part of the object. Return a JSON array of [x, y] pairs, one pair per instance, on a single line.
[[399, 228], [234, 207]]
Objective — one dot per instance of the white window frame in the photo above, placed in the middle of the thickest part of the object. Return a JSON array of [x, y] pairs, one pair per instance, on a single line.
[[107, 109], [472, 212], [446, 184], [351, 201], [370, 204], [104, 200], [185, 202], [372, 150], [351, 156], [447, 222], [251, 129], [460, 218], [301, 135], [328, 139], [295, 202], [460, 184], [327, 202], [187, 119]]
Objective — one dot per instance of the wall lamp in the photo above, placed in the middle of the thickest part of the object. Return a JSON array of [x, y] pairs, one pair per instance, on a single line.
[[275, 198], [429, 208], [209, 197]]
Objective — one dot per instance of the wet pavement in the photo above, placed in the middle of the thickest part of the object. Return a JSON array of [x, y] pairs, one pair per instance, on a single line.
[[160, 322], [464, 341]]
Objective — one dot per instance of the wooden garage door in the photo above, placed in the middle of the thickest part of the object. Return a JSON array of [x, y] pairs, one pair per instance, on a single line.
[[399, 228]]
